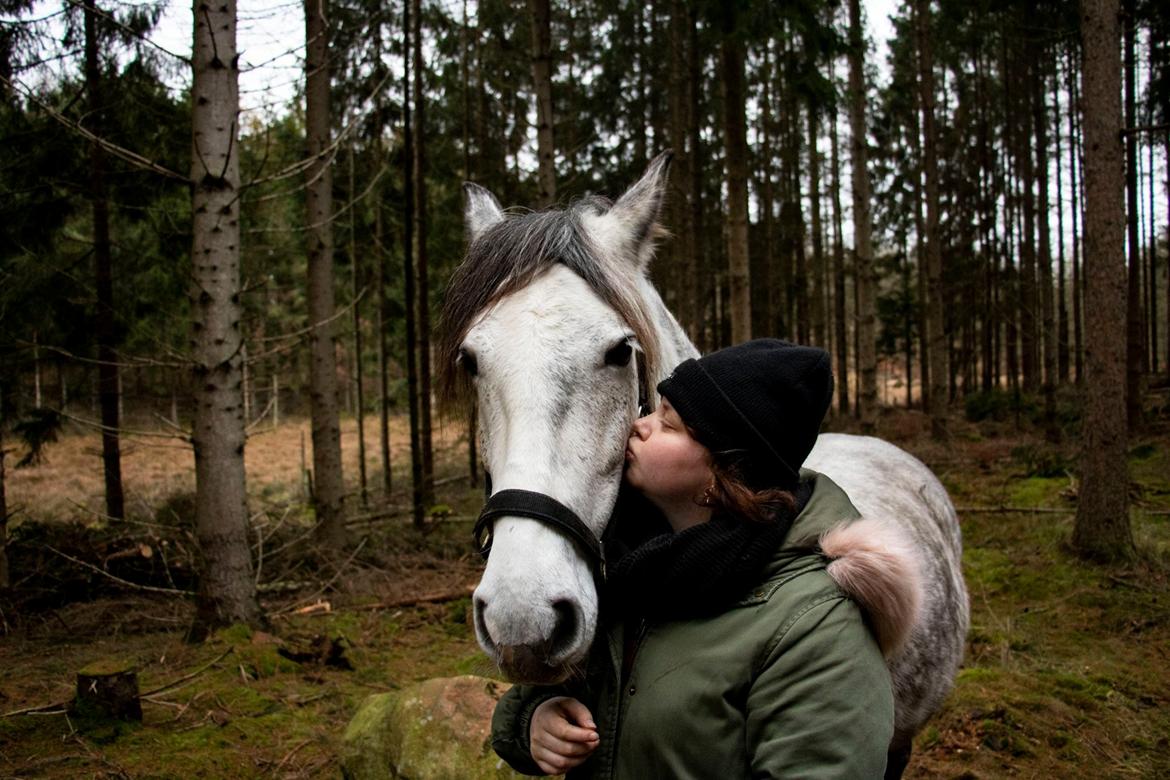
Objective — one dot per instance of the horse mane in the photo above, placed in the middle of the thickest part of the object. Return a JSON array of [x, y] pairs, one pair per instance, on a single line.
[[509, 255]]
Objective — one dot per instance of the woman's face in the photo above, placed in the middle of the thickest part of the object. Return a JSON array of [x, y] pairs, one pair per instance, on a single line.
[[664, 461]]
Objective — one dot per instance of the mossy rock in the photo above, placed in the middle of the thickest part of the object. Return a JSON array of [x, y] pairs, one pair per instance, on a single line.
[[439, 729]]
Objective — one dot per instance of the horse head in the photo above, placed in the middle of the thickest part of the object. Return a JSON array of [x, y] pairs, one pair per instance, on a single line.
[[548, 322]]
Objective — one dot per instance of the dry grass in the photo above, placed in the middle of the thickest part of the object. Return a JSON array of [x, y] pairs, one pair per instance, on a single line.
[[68, 483]]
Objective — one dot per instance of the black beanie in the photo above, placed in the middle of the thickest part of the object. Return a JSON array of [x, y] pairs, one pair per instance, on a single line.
[[765, 397]]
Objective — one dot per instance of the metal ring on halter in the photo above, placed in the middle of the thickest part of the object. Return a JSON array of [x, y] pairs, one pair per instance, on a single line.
[[538, 506]]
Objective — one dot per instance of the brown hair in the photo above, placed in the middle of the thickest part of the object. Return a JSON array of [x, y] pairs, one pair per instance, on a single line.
[[732, 494]]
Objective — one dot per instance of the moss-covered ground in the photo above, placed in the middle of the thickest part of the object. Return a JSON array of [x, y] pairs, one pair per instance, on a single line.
[[1067, 671]]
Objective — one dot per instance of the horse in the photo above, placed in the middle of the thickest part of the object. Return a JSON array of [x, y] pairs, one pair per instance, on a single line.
[[553, 326]]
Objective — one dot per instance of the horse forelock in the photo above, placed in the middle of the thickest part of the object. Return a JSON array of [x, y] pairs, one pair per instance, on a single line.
[[511, 254]]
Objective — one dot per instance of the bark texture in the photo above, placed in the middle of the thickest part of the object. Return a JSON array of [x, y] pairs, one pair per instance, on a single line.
[[735, 144], [542, 83], [104, 329], [227, 590], [863, 227], [1102, 529], [937, 339], [328, 488], [427, 488]]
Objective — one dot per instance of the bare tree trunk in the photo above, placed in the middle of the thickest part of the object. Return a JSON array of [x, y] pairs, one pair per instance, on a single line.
[[542, 85], [104, 329], [472, 423], [359, 391], [227, 590], [1062, 335], [5, 577], [383, 347], [1044, 258], [820, 332], [866, 279], [329, 490], [1153, 264], [1134, 332], [409, 290], [933, 245], [1102, 528], [1076, 174], [424, 295], [685, 242], [735, 141], [697, 296], [839, 274]]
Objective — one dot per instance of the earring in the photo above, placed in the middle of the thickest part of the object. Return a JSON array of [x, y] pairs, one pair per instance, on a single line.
[[707, 497]]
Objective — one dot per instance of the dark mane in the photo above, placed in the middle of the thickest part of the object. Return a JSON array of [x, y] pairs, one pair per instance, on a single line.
[[507, 257]]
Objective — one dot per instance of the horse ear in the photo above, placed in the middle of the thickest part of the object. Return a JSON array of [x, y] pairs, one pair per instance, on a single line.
[[481, 210], [639, 207]]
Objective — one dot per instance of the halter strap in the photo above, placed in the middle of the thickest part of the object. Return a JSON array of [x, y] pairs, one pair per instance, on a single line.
[[537, 506]]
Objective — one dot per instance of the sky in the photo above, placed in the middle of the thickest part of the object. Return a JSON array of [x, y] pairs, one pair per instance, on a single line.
[[272, 34]]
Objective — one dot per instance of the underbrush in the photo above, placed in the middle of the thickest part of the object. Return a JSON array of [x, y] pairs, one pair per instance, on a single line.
[[1065, 673]]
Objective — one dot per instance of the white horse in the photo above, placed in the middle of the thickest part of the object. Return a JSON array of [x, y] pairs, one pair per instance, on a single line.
[[542, 318]]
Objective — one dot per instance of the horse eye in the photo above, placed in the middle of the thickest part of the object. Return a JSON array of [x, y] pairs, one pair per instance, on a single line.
[[469, 363], [619, 355]]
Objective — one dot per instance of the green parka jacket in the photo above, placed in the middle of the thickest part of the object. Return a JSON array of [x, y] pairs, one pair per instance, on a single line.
[[787, 682]]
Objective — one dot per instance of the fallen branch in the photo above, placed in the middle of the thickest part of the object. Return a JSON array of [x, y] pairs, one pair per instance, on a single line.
[[190, 676], [119, 580], [432, 598], [340, 570]]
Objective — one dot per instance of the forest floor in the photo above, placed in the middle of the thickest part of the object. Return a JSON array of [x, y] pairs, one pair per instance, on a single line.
[[1067, 670]]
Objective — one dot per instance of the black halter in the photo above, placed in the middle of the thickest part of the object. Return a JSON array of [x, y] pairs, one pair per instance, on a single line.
[[538, 506], [546, 509]]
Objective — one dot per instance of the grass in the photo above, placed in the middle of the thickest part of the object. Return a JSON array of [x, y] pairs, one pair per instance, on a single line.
[[1065, 675]]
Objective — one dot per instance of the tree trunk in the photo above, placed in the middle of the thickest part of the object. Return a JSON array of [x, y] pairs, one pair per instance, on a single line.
[[408, 269], [820, 334], [1153, 265], [1134, 331], [864, 273], [933, 246], [1044, 256], [104, 328], [542, 85], [360, 406], [227, 590], [1102, 528], [424, 294], [5, 578], [1076, 174], [472, 424], [698, 296], [383, 346], [1062, 335], [735, 143], [329, 490], [839, 274], [685, 249], [1029, 299]]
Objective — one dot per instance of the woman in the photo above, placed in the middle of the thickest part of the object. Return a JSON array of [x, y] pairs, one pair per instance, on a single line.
[[746, 639]]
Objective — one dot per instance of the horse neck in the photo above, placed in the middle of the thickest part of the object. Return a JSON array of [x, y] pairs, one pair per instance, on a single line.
[[673, 344]]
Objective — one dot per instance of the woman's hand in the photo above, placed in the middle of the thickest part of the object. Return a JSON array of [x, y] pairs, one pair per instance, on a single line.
[[562, 735]]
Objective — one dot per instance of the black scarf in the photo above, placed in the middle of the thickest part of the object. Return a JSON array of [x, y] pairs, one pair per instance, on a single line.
[[661, 575]]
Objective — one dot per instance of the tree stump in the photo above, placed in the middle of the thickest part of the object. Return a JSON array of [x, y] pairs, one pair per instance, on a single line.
[[108, 689]]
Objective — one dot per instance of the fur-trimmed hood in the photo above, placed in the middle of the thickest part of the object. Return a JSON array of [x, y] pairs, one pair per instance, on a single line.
[[871, 559], [873, 562]]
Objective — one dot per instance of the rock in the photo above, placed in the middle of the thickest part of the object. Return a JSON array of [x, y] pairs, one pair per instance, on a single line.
[[438, 729]]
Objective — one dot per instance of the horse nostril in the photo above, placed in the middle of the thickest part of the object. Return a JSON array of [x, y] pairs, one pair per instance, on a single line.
[[478, 611], [565, 628]]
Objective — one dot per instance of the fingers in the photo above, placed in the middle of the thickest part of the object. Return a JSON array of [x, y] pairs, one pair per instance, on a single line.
[[563, 735], [578, 713]]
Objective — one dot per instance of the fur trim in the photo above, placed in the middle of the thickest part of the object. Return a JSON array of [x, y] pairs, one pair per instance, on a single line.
[[875, 564]]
